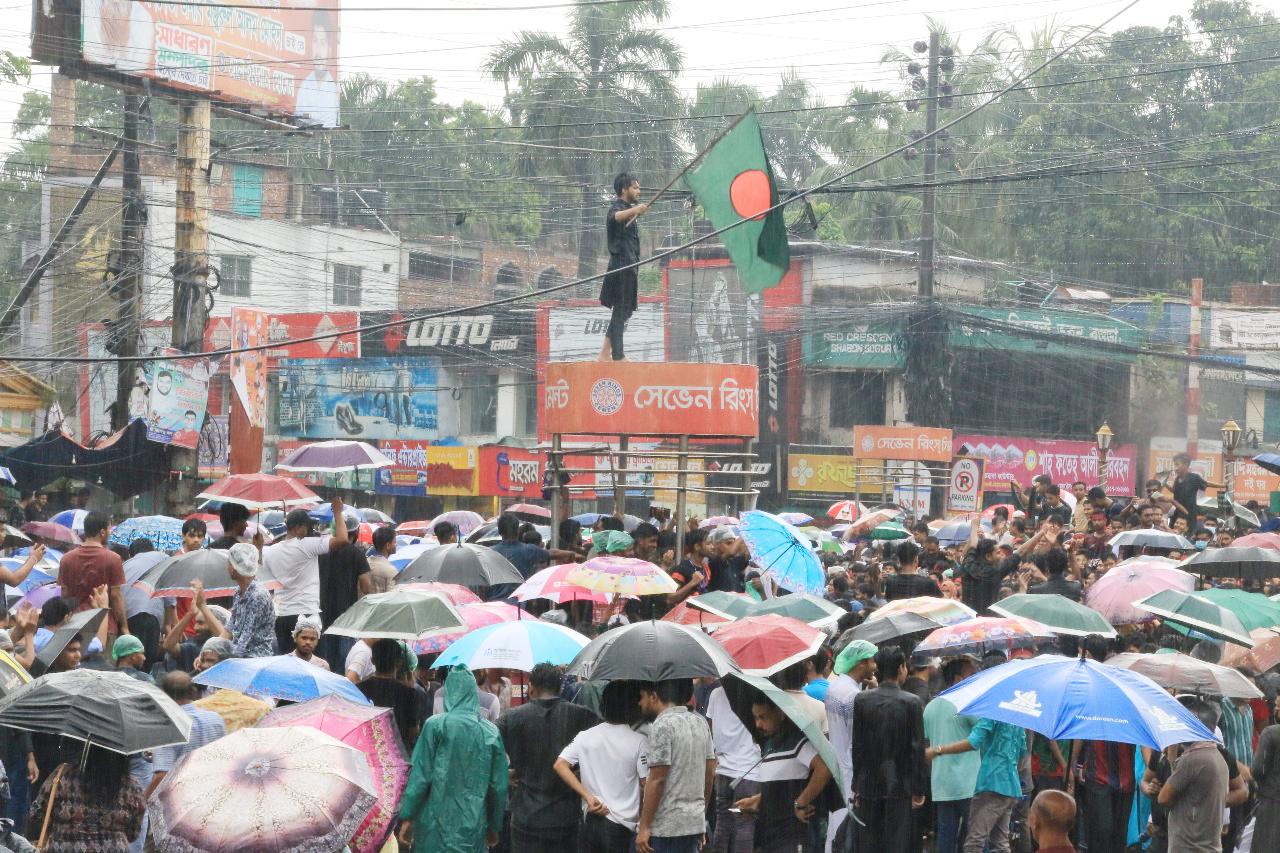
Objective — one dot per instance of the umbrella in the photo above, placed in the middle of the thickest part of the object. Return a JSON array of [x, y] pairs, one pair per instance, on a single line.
[[49, 563], [625, 575], [72, 518], [464, 564], [867, 522], [38, 596], [1203, 615], [984, 634], [515, 645], [890, 530], [686, 614], [807, 608], [457, 595], [953, 533], [553, 585], [1113, 594], [237, 710], [1268, 462], [83, 625], [414, 528], [374, 516], [894, 626], [1077, 699], [823, 542], [778, 547], [7, 476], [1151, 538], [586, 519], [1233, 562], [652, 651], [726, 605], [334, 457], [742, 689], [371, 730], [529, 511], [719, 521], [265, 790], [13, 674], [463, 520], [1058, 613], [164, 532], [1184, 674], [944, 611], [1253, 609], [260, 491], [1264, 655], [47, 531], [764, 645], [796, 519], [1257, 540], [279, 677], [108, 709], [397, 615], [1212, 508], [845, 511], [474, 616], [404, 557], [14, 538], [34, 579], [173, 577]]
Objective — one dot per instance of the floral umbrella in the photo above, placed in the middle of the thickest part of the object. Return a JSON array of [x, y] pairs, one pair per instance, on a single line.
[[985, 634], [622, 574], [474, 616], [553, 584], [269, 791], [944, 611], [846, 511], [164, 532], [371, 730]]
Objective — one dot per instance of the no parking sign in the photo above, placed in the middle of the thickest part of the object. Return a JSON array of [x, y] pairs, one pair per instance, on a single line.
[[965, 492]]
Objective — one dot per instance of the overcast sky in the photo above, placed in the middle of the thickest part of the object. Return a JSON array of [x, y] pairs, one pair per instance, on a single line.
[[834, 45]]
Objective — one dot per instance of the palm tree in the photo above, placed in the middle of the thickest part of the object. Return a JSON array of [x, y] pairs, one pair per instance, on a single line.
[[601, 95]]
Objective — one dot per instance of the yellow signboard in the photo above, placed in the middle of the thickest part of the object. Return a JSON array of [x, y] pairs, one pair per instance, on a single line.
[[820, 472]]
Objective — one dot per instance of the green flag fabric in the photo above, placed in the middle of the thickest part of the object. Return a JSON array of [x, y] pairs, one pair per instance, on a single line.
[[734, 182]]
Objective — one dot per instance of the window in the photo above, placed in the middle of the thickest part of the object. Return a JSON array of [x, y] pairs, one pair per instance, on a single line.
[[346, 285], [246, 190], [482, 409], [527, 393], [235, 275], [548, 278], [429, 265], [857, 397], [508, 281]]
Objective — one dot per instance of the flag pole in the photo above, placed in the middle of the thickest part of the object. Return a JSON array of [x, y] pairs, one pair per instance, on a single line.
[[698, 158]]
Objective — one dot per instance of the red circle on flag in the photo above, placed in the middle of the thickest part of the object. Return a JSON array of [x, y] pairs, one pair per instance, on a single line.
[[749, 194]]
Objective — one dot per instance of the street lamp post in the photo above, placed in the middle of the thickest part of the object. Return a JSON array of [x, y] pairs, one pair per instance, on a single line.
[[1104, 437], [1226, 503]]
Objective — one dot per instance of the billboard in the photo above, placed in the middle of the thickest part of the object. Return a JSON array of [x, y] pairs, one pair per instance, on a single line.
[[822, 472], [407, 474], [1020, 460], [1249, 329], [497, 338], [280, 56], [575, 332], [923, 444], [369, 398], [249, 369], [177, 400], [510, 472], [290, 327]]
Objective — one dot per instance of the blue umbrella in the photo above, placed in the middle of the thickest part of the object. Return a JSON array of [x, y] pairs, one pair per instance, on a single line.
[[72, 518], [799, 519], [49, 553], [35, 579], [279, 677], [1268, 462], [515, 645], [953, 533], [164, 532], [1076, 699], [587, 519], [780, 548]]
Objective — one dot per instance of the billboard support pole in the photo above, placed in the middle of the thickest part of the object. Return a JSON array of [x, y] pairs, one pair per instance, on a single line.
[[133, 225]]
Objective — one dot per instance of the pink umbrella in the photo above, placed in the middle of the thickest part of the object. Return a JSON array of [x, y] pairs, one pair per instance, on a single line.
[[868, 522], [531, 510], [371, 730], [464, 520], [475, 616], [1114, 593], [1258, 540], [985, 634], [553, 585], [622, 574], [260, 491], [457, 595], [414, 528], [720, 521], [52, 534]]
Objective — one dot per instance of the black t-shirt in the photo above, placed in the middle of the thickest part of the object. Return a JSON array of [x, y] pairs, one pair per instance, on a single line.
[[1186, 490], [624, 237], [340, 573], [223, 543], [726, 574], [406, 703]]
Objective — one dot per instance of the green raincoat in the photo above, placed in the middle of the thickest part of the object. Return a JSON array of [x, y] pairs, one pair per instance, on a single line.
[[457, 789]]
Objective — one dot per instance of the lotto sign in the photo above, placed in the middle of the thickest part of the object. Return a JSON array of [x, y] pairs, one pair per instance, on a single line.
[[966, 485]]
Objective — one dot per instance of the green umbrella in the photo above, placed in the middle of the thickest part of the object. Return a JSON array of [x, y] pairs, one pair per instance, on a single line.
[[1057, 612], [1199, 614], [807, 608], [890, 530], [402, 614], [726, 605], [742, 689], [1254, 609], [824, 541]]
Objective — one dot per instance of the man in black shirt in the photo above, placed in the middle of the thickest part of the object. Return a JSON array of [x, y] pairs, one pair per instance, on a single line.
[[385, 690], [1186, 487], [344, 580], [1054, 563], [729, 561], [621, 286], [235, 520], [908, 582]]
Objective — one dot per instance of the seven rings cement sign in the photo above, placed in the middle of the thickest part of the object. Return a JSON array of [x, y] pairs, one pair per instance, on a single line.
[[626, 398]]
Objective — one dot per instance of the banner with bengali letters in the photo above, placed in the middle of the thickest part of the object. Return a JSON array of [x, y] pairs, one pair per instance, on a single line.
[[922, 444], [1020, 460]]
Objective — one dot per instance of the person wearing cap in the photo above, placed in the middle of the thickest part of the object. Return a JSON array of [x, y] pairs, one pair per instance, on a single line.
[[854, 666], [252, 623], [306, 636], [129, 656], [295, 562], [214, 651]]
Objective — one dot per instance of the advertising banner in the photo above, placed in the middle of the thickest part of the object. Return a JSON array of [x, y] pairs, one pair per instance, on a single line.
[[372, 398], [872, 346], [407, 475], [288, 327], [451, 471], [510, 472], [629, 398], [923, 444], [1250, 329], [819, 472], [1087, 328], [280, 56], [249, 369], [576, 332], [1020, 460], [177, 400], [496, 337]]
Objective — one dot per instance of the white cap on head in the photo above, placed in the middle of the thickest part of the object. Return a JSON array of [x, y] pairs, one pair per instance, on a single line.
[[244, 559]]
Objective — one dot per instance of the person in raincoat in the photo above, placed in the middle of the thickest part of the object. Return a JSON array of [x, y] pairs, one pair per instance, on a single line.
[[457, 790]]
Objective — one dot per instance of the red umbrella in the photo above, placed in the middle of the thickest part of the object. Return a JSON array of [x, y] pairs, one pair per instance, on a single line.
[[1258, 540], [683, 614], [52, 534], [415, 528], [458, 595], [764, 645], [531, 510], [260, 491], [845, 510]]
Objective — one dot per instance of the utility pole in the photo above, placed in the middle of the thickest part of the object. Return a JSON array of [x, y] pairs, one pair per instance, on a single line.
[[924, 268], [128, 281]]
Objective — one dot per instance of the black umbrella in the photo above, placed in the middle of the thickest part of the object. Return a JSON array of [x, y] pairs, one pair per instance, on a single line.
[[1246, 563], [174, 575], [893, 627], [652, 651], [108, 709], [463, 564], [83, 625]]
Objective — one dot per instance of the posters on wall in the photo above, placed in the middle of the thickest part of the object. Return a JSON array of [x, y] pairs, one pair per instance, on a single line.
[[249, 369], [373, 398], [295, 327], [177, 400]]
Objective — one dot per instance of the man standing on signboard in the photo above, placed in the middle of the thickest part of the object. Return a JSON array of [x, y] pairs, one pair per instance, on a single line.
[[620, 290]]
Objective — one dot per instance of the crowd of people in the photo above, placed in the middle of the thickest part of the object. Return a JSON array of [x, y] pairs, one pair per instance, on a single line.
[[541, 761]]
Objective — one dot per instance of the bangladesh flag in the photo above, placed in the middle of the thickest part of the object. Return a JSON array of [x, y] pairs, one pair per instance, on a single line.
[[734, 182]]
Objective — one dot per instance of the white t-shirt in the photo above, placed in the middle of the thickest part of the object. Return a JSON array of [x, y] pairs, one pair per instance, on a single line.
[[360, 660], [736, 752], [611, 761], [841, 691], [296, 564], [815, 709]]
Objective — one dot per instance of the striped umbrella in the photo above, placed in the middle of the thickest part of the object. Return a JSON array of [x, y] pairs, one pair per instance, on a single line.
[[515, 645], [553, 584], [944, 611]]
